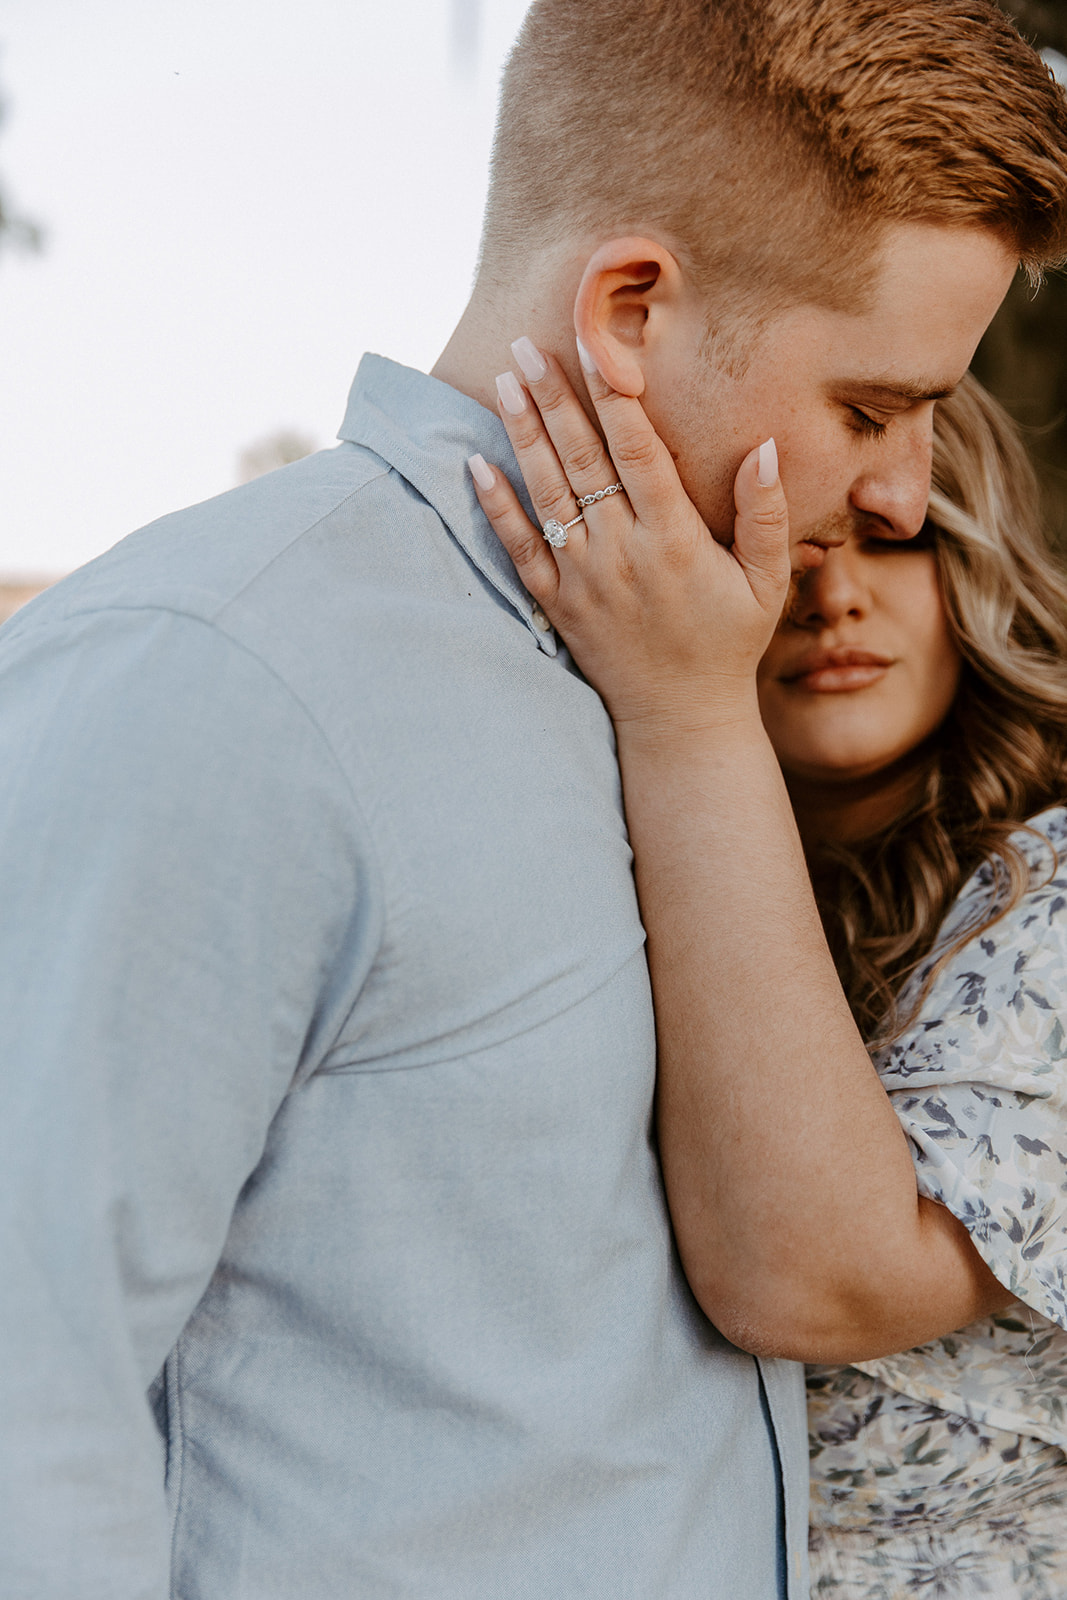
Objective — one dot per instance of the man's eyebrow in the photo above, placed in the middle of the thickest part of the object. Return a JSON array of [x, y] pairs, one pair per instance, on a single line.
[[897, 389]]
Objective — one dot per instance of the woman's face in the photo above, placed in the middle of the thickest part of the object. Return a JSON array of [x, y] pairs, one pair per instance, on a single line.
[[864, 667]]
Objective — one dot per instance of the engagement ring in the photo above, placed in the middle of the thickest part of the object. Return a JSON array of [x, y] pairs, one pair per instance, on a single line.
[[556, 532]]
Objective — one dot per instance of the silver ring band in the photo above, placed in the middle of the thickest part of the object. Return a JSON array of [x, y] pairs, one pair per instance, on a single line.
[[556, 532], [601, 494]]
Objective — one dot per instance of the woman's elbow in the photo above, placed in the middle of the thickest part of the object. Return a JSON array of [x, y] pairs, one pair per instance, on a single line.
[[790, 1322]]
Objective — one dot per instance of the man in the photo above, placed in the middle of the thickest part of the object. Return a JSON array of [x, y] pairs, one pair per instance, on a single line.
[[325, 1012]]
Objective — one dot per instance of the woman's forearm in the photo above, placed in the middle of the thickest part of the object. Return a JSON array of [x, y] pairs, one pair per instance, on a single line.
[[790, 1181]]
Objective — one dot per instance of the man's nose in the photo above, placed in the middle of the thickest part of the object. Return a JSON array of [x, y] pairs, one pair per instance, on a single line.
[[895, 486], [832, 591]]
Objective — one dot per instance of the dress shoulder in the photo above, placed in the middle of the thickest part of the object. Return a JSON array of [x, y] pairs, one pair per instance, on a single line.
[[979, 1079], [979, 1082]]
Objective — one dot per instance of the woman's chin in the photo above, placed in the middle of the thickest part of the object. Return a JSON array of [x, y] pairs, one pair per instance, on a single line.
[[837, 768]]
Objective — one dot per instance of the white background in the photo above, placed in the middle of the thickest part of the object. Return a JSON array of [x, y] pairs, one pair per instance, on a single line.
[[239, 198]]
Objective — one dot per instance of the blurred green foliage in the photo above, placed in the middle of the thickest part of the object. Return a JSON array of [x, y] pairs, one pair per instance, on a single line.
[[1023, 357]]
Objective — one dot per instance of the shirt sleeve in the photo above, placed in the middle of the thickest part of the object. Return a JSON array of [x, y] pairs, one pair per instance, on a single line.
[[979, 1082], [187, 916]]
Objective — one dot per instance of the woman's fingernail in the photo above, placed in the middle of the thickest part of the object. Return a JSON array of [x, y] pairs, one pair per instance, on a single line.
[[481, 472], [585, 358], [532, 363], [767, 476], [512, 398]]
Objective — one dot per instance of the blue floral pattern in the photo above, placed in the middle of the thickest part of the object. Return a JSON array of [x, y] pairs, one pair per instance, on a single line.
[[942, 1471]]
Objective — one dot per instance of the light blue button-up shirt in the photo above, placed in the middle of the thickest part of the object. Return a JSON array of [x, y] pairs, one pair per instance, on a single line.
[[328, 1064]]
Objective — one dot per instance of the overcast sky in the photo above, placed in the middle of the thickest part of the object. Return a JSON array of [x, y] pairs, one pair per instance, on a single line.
[[239, 197]]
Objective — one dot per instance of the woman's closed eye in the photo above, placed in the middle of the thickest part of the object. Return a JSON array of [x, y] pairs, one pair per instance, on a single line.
[[877, 543]]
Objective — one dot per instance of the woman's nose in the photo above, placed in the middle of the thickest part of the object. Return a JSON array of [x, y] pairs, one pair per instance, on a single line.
[[836, 589]]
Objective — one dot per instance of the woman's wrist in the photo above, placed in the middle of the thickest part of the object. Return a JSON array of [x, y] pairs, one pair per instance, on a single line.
[[689, 727]]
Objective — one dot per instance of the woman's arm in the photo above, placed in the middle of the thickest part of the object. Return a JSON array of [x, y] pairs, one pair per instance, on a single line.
[[789, 1178]]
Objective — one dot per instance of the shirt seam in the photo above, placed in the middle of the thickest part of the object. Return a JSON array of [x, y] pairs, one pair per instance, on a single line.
[[303, 532], [175, 1441]]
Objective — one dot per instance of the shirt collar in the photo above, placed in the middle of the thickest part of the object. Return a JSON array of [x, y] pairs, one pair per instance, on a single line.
[[426, 430]]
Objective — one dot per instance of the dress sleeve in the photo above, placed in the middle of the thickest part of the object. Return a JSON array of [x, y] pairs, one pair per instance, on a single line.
[[979, 1082], [186, 919]]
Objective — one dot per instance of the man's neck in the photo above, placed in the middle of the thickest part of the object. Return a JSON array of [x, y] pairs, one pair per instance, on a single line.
[[473, 356], [480, 347]]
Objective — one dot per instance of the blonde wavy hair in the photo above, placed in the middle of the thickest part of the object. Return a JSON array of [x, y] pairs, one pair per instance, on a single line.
[[1001, 754]]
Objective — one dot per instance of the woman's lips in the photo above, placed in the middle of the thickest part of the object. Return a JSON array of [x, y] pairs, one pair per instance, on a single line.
[[836, 671]]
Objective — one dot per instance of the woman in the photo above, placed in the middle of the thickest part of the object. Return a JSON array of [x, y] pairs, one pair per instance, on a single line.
[[916, 698]]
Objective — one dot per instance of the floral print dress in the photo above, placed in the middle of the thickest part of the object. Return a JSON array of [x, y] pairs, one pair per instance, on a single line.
[[942, 1472]]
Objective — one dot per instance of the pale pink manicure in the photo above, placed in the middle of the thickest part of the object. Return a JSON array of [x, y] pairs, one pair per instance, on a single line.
[[512, 398], [531, 362], [767, 476], [481, 472], [585, 358]]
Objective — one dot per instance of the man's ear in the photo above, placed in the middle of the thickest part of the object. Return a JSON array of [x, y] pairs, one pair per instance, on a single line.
[[630, 289]]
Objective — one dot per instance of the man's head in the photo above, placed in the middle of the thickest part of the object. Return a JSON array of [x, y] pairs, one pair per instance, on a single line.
[[772, 142], [706, 184]]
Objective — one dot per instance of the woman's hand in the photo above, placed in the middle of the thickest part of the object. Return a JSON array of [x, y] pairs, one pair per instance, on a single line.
[[666, 623]]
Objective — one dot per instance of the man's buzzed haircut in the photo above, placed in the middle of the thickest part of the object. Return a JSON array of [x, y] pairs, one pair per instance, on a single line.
[[771, 141]]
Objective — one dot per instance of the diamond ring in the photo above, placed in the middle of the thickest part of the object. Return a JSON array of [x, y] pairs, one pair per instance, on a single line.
[[556, 532]]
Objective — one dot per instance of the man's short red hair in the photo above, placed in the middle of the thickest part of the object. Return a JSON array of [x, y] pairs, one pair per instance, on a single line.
[[771, 141]]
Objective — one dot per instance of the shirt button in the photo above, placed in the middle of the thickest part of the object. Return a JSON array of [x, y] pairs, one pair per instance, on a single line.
[[540, 621]]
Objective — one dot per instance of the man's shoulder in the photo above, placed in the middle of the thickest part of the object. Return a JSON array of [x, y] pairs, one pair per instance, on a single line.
[[201, 561]]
